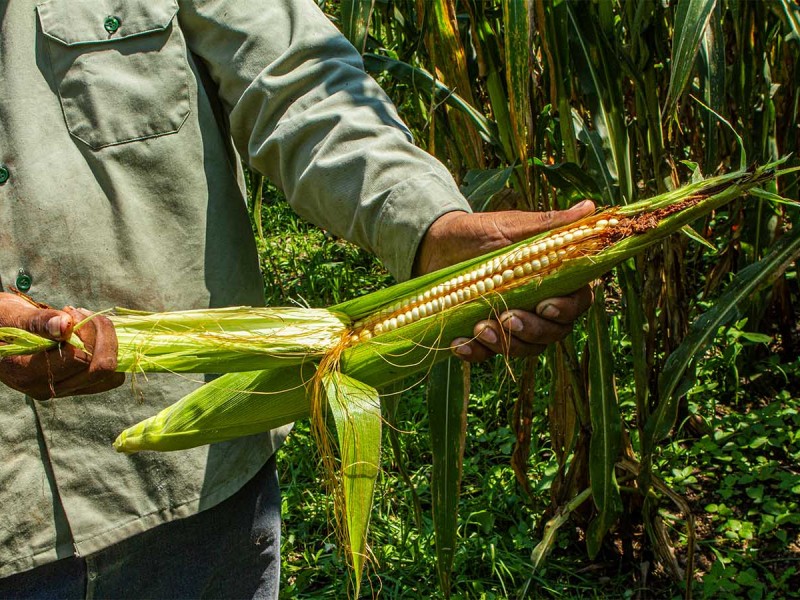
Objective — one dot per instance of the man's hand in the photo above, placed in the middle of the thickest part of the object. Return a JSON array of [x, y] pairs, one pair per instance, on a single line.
[[63, 371], [457, 236]]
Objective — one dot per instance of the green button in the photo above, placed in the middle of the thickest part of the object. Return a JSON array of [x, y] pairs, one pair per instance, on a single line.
[[24, 281], [112, 24], [4, 174]]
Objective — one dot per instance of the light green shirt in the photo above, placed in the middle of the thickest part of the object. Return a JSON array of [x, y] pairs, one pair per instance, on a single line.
[[121, 127]]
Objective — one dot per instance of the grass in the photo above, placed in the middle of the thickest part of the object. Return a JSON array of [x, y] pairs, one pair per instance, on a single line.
[[740, 476]]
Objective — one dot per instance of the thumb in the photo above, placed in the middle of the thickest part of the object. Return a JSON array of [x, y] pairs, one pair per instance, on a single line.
[[46, 322], [518, 225], [54, 324]]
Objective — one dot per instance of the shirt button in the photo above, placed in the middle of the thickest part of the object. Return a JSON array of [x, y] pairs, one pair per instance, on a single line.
[[4, 174], [111, 24], [24, 281]]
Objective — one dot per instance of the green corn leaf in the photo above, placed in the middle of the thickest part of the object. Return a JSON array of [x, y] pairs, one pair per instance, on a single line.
[[712, 70], [490, 47], [636, 323], [791, 13], [422, 80], [602, 84], [447, 398], [481, 185], [604, 170], [691, 19], [518, 73], [676, 378], [355, 16], [356, 410], [570, 179], [606, 427], [696, 237]]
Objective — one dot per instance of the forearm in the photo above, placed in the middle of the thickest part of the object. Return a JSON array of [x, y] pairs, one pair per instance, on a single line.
[[303, 112]]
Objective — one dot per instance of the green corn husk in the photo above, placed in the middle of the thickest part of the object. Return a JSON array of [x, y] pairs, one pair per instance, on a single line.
[[271, 355], [210, 413], [220, 340]]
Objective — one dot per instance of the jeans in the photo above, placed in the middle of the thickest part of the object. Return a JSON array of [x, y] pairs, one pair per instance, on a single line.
[[231, 550]]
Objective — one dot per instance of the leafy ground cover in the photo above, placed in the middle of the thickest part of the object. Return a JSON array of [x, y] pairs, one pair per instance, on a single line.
[[734, 459]]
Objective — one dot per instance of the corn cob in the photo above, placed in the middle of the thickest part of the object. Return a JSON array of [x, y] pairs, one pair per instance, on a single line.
[[376, 339]]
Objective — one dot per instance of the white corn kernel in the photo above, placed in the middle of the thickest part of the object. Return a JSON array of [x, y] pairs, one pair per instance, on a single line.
[[498, 279], [489, 284], [401, 319], [527, 268], [536, 264], [481, 286], [415, 313], [544, 260], [519, 271]]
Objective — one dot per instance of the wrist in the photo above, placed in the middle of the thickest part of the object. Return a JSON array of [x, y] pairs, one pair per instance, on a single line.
[[433, 251]]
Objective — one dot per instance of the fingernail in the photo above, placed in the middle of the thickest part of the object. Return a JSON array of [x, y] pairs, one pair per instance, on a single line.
[[463, 350], [56, 324], [511, 322], [583, 204], [488, 335], [549, 312]]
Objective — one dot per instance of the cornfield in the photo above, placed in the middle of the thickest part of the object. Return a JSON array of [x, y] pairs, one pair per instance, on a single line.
[[679, 119]]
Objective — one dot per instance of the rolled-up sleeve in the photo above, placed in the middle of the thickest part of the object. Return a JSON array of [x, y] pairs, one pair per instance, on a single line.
[[304, 113]]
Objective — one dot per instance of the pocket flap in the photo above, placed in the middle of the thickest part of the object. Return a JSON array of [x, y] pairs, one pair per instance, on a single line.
[[72, 23]]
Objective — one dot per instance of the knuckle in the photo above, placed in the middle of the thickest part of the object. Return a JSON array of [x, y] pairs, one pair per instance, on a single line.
[[103, 365]]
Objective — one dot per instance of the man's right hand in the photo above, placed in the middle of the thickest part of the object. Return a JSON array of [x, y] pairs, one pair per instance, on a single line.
[[66, 370]]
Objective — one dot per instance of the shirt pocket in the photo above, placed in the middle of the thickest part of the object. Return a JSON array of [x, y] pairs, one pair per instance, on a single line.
[[120, 68]]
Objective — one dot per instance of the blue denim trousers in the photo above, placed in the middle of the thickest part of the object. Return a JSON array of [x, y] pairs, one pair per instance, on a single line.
[[229, 551]]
